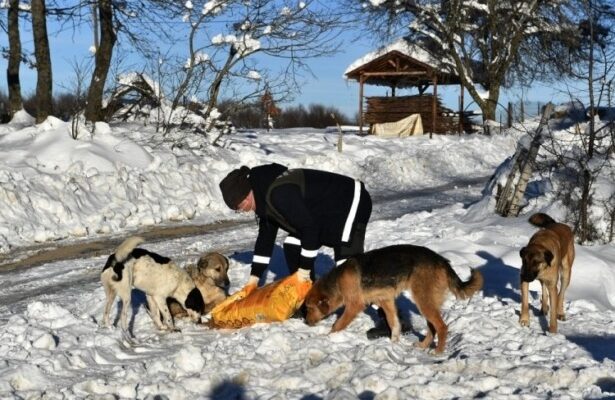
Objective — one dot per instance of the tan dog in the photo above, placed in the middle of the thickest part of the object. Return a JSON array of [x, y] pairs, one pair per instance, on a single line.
[[210, 275], [379, 276], [157, 276], [547, 257]]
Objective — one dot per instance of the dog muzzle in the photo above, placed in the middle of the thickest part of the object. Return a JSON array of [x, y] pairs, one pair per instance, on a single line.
[[527, 277]]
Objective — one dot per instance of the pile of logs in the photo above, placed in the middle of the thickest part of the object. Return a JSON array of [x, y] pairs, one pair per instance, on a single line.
[[391, 109]]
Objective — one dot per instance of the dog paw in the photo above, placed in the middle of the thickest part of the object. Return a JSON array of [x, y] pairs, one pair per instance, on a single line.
[[127, 336], [439, 350], [171, 328], [421, 345], [524, 321]]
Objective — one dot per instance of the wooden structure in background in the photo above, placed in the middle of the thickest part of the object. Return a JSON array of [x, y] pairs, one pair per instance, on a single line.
[[391, 109], [403, 65]]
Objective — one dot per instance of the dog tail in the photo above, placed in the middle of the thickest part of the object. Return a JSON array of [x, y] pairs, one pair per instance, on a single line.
[[123, 251], [541, 220], [464, 290]]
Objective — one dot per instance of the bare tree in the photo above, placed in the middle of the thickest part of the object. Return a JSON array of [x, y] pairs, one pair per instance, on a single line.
[[584, 158], [510, 196], [183, 80], [112, 18], [14, 61], [73, 103], [44, 81], [102, 61], [282, 29], [597, 69], [480, 40], [223, 40], [69, 18]]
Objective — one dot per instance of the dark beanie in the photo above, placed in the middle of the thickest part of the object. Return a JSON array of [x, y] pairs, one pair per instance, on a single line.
[[235, 186]]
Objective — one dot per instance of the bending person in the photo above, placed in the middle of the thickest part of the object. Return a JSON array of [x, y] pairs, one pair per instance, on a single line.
[[316, 208]]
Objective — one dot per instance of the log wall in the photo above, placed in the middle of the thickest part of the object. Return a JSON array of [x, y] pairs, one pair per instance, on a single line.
[[391, 109]]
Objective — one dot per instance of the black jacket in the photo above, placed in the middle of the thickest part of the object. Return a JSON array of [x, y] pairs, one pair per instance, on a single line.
[[311, 205]]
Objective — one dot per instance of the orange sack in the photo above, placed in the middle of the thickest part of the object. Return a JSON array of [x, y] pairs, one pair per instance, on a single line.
[[276, 301]]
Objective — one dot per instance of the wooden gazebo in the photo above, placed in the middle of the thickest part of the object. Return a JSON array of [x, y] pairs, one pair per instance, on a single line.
[[404, 65]]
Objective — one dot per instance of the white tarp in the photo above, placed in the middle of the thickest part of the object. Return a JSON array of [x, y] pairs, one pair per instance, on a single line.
[[409, 126]]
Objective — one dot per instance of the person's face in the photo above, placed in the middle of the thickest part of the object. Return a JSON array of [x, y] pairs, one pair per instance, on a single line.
[[247, 204]]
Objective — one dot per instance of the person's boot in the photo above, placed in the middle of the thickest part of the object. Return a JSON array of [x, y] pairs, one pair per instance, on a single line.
[[381, 329]]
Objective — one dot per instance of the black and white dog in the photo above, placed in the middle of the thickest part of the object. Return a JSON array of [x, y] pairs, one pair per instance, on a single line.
[[157, 276]]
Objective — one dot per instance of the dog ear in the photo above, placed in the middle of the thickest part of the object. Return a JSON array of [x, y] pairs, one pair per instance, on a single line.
[[203, 262], [522, 252], [548, 257], [323, 305], [191, 270]]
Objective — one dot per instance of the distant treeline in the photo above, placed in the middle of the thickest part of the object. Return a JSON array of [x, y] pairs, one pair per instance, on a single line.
[[313, 116], [65, 105], [242, 116]]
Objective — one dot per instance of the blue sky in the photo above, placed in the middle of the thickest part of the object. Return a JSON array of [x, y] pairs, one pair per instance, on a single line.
[[330, 88], [327, 86]]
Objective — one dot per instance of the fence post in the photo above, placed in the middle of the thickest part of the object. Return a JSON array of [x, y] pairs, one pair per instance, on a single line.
[[339, 137], [509, 122]]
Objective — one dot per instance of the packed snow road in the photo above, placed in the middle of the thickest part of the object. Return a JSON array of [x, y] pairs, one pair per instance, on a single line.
[[464, 191], [17, 276]]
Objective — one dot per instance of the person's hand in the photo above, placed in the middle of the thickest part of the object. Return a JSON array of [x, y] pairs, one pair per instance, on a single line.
[[303, 275], [251, 284], [246, 290], [252, 281]]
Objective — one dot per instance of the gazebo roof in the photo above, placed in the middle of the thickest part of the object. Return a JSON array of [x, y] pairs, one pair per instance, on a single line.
[[401, 64]]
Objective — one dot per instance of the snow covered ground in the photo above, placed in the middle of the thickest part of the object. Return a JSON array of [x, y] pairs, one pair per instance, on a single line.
[[427, 192]]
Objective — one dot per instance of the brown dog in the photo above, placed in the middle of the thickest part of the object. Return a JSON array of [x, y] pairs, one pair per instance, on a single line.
[[210, 275], [379, 276], [547, 257]]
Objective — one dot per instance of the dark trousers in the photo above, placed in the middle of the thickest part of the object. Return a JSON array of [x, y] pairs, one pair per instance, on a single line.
[[356, 244]]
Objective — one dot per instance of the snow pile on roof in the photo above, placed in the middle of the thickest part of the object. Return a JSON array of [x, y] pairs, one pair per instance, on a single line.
[[404, 47]]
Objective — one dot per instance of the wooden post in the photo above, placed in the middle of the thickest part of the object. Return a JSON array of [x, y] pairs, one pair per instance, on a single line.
[[509, 121], [461, 110], [433, 106], [341, 134], [361, 81]]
